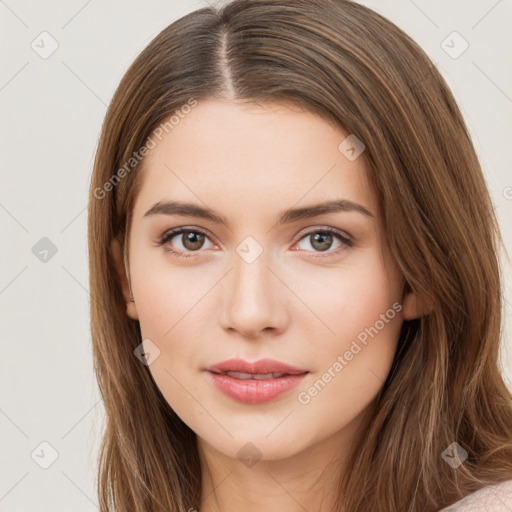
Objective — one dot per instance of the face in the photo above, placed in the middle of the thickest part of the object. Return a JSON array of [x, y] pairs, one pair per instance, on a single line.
[[319, 291]]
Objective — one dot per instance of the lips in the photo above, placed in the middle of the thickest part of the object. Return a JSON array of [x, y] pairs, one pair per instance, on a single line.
[[262, 369], [256, 376], [254, 383]]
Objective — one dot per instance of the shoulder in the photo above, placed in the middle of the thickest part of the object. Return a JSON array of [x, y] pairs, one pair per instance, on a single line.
[[497, 497]]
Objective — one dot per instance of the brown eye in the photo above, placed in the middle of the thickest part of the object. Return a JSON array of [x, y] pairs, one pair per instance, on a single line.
[[322, 240], [192, 240], [182, 241]]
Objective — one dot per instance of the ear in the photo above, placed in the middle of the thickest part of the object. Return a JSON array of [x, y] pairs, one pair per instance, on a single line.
[[123, 277], [414, 306]]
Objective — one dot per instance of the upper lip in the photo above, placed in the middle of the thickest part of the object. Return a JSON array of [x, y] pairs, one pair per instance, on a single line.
[[261, 366]]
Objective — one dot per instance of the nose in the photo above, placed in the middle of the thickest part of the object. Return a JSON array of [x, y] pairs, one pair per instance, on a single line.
[[255, 299]]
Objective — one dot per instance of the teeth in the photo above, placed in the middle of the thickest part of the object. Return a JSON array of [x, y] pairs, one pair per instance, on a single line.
[[256, 376]]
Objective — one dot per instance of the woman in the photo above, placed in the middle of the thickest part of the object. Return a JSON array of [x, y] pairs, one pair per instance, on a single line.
[[293, 261]]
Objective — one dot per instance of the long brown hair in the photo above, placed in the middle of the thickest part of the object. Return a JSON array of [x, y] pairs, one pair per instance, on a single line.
[[350, 65]]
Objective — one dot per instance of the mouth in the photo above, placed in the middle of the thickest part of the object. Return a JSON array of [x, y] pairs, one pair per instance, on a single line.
[[262, 369], [256, 376], [254, 383]]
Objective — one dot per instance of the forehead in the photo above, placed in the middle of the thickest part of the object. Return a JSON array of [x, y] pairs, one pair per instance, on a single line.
[[256, 157]]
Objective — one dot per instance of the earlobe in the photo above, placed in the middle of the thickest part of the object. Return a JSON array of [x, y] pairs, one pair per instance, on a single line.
[[413, 306], [122, 278]]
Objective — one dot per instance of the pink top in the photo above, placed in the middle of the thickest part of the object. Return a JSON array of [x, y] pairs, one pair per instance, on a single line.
[[494, 498]]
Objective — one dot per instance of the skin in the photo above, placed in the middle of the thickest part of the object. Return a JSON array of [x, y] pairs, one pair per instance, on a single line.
[[294, 303]]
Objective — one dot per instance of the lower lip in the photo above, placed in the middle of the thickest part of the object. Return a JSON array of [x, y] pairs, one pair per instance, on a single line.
[[252, 391]]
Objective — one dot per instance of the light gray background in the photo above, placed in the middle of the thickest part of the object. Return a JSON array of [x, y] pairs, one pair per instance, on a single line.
[[52, 110]]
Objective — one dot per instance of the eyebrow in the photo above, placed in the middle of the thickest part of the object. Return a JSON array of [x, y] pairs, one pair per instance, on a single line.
[[287, 216]]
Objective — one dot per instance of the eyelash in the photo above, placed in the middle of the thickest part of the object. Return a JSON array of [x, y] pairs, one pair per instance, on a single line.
[[169, 235]]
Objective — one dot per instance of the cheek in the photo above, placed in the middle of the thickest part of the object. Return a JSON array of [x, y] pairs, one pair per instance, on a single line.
[[166, 294], [170, 315], [362, 309], [349, 300], [173, 306]]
